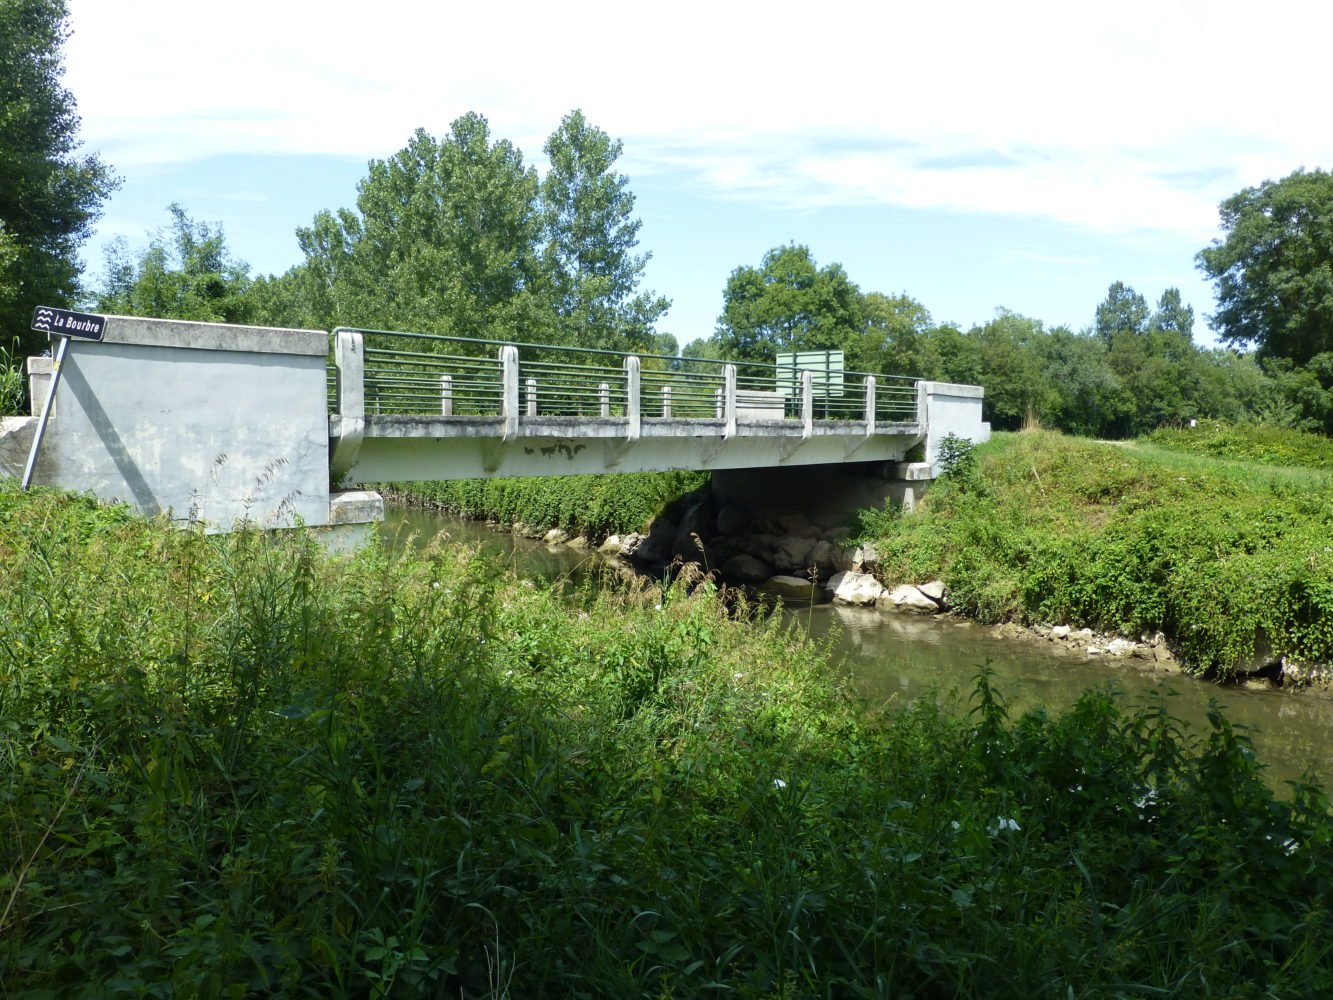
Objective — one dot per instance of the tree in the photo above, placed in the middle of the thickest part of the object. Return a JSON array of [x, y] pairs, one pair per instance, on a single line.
[[186, 272], [1274, 268], [49, 196], [1123, 311], [787, 303], [590, 234], [443, 240], [894, 337]]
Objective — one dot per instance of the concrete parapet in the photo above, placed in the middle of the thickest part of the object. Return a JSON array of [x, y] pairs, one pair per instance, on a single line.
[[212, 422], [945, 408]]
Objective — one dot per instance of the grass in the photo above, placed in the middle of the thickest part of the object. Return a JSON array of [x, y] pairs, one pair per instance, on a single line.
[[231, 767], [1232, 562], [1263, 444]]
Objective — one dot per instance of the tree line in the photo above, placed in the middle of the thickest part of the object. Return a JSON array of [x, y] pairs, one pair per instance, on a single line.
[[458, 235]]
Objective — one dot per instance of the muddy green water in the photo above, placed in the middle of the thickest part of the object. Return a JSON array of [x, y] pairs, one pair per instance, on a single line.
[[903, 658]]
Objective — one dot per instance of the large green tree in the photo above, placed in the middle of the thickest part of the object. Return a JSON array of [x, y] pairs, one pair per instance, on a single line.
[[457, 235], [590, 233], [788, 303], [1274, 267], [186, 272], [49, 195]]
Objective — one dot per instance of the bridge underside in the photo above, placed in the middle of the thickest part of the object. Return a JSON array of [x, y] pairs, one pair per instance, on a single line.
[[406, 449]]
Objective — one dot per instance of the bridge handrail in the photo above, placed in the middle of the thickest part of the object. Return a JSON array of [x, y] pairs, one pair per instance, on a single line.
[[641, 385]]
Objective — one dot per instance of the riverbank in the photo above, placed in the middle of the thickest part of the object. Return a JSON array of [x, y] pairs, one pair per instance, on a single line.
[[1229, 560], [253, 768]]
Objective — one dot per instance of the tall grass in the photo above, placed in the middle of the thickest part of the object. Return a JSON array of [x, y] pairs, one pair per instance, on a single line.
[[231, 767]]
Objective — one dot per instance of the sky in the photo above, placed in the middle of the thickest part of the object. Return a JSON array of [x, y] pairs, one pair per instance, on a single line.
[[973, 155]]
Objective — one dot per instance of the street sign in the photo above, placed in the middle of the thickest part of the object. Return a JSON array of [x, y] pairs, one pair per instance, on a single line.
[[62, 322]]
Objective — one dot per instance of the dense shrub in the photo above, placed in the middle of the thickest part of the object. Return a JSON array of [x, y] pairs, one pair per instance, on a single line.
[[594, 506], [1052, 529], [230, 767]]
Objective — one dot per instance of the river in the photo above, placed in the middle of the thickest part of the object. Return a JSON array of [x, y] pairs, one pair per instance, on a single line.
[[906, 657]]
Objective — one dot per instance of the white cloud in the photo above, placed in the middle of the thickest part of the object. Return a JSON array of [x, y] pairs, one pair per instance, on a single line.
[[1140, 116]]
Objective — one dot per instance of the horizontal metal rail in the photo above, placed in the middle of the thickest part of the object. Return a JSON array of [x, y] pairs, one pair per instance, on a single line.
[[430, 374]]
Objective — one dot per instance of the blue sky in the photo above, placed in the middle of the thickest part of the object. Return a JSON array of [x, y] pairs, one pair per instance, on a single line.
[[974, 156]]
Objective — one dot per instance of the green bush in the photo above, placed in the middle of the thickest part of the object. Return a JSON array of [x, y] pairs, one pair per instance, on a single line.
[[230, 766], [593, 506], [1057, 530]]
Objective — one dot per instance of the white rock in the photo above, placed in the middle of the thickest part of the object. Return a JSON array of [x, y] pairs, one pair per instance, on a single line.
[[908, 598], [935, 590], [556, 536], [855, 588], [1061, 632], [1120, 647], [611, 546]]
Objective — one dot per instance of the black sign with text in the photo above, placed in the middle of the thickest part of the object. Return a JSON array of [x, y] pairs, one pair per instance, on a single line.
[[68, 324]]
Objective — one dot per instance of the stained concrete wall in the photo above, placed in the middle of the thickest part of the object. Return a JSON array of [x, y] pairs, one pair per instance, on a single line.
[[211, 422], [948, 408]]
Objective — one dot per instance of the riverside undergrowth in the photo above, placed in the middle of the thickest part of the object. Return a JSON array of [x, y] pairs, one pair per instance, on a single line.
[[592, 506], [231, 766], [1233, 562]]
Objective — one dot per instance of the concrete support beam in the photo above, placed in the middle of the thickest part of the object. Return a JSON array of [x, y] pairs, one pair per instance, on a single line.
[[729, 401], [807, 405], [509, 392], [349, 387], [633, 400]]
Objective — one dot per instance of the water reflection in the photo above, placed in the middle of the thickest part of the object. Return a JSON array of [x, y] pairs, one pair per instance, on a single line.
[[906, 657]]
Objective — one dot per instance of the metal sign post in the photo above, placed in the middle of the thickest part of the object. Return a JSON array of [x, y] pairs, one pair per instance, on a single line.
[[63, 326]]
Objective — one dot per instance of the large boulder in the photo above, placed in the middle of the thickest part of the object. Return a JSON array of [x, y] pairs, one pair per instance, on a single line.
[[854, 588], [791, 553], [906, 597], [746, 569], [824, 557], [734, 520]]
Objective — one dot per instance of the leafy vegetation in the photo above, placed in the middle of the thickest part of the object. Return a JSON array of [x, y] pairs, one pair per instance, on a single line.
[[12, 390], [1248, 443], [1273, 267], [592, 506], [49, 196], [232, 766], [1231, 561]]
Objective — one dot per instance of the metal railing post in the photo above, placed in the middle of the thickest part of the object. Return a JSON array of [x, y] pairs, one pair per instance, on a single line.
[[666, 400], [729, 401], [509, 391], [870, 405], [531, 386], [807, 405], [349, 389], [446, 395], [604, 395], [633, 385]]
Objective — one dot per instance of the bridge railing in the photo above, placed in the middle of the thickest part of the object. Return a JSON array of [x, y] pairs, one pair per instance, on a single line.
[[428, 374]]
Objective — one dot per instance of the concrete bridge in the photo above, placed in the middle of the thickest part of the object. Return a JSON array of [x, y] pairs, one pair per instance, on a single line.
[[216, 423]]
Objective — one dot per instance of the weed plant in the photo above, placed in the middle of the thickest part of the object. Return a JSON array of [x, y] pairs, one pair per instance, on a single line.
[[230, 766], [1051, 529], [592, 506]]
